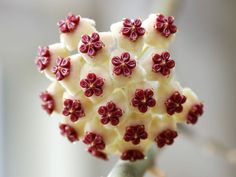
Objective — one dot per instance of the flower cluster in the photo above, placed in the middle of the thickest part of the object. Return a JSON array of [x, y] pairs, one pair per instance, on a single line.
[[117, 93]]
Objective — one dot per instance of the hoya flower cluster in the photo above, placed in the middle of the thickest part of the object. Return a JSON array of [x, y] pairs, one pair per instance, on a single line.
[[117, 94]]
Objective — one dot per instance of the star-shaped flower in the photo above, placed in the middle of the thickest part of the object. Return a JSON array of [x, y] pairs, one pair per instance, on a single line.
[[132, 155], [193, 114], [135, 134], [174, 103], [92, 85], [143, 99], [69, 24], [166, 137], [43, 58], [110, 113], [132, 29], [48, 102], [69, 132], [162, 63], [62, 68], [73, 108], [91, 44], [123, 64], [165, 25]]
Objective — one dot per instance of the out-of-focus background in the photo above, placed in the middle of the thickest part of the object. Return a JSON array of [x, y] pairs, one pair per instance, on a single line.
[[204, 49]]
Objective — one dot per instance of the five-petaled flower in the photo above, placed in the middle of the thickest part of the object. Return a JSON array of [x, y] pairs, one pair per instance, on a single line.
[[92, 85], [69, 132], [162, 63], [43, 58], [165, 137], [174, 103], [62, 68], [135, 134], [73, 108], [91, 44], [110, 113], [194, 112], [165, 25], [48, 103], [96, 144], [132, 29], [143, 99], [123, 64], [69, 24], [132, 155]]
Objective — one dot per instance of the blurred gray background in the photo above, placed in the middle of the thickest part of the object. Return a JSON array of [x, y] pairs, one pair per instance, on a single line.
[[30, 143]]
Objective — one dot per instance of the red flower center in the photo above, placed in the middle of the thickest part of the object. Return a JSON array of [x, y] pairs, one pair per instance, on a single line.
[[73, 108], [62, 68], [132, 29], [69, 24], [91, 44], [193, 114], [174, 103], [48, 102], [92, 85], [162, 63], [110, 113], [43, 58], [123, 64], [135, 134], [165, 25], [67, 130], [166, 137], [143, 99], [132, 155]]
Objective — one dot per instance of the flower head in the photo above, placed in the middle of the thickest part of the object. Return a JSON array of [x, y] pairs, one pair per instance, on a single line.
[[174, 103], [69, 132], [165, 25], [92, 85], [62, 68], [73, 109], [91, 44], [110, 113], [166, 137], [132, 155], [48, 103], [143, 99], [43, 58], [162, 63], [123, 64], [193, 114], [69, 24], [132, 29], [135, 134]]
